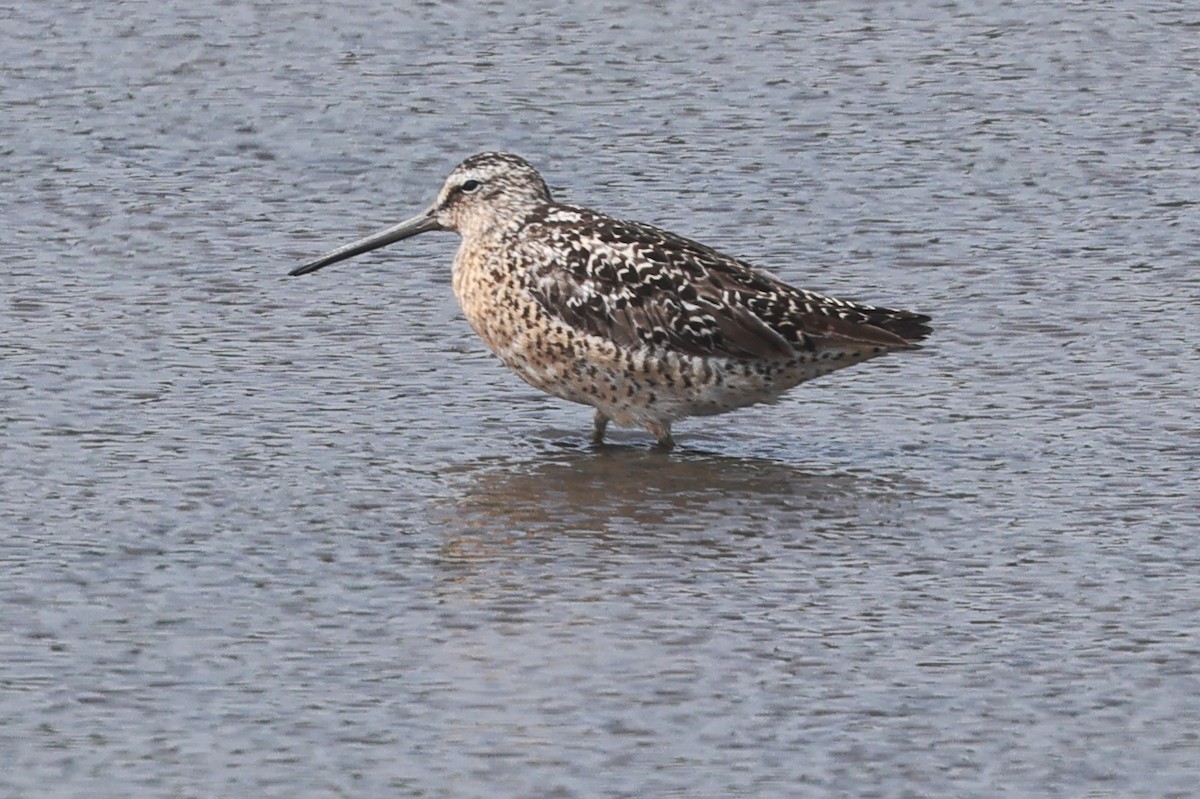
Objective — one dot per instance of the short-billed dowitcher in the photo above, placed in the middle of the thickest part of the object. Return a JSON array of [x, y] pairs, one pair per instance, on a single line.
[[643, 325]]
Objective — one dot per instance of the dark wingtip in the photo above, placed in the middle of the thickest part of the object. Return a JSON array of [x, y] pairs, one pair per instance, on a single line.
[[912, 327]]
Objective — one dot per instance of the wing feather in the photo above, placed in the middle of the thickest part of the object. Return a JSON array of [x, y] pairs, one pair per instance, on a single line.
[[638, 285]]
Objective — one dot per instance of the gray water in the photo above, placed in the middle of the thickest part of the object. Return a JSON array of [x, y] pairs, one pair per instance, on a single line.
[[304, 537]]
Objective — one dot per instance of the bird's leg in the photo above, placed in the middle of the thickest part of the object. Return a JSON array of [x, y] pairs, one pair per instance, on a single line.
[[662, 433], [599, 425]]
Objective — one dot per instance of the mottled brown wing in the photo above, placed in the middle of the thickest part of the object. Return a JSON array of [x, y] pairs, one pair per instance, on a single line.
[[636, 284]]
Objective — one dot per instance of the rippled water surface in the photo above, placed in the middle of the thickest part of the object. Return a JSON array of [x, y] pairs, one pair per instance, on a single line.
[[304, 537]]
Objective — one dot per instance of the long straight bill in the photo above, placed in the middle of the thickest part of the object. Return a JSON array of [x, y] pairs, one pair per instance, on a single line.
[[422, 223]]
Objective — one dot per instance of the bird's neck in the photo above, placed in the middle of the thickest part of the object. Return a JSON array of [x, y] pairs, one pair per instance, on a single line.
[[491, 230]]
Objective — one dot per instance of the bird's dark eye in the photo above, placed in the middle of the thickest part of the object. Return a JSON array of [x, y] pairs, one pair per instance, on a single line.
[[470, 186]]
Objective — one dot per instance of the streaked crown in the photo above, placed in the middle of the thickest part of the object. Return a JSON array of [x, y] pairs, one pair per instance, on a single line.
[[489, 190]]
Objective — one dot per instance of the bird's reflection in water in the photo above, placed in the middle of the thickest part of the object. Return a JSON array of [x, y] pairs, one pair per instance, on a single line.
[[632, 497]]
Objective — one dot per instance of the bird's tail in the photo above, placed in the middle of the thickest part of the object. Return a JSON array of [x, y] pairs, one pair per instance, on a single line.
[[908, 325]]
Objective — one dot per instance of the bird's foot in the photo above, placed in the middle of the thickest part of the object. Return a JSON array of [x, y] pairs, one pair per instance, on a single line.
[[599, 425], [662, 434]]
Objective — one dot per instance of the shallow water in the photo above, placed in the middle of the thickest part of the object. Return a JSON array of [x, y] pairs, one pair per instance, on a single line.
[[304, 537]]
